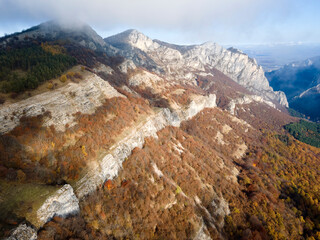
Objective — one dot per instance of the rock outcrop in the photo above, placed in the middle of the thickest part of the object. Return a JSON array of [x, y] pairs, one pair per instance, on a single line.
[[310, 91], [23, 232], [62, 203], [65, 201], [201, 235], [247, 99], [62, 103], [109, 166], [308, 103], [186, 62], [193, 175]]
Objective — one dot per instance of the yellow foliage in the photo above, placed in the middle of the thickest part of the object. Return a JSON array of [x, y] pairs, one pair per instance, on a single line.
[[236, 210], [178, 190], [70, 74], [53, 49], [246, 180], [311, 238], [63, 78], [95, 224], [50, 86], [83, 148]]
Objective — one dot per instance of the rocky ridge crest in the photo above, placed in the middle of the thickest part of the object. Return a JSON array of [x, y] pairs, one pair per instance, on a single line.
[[186, 63]]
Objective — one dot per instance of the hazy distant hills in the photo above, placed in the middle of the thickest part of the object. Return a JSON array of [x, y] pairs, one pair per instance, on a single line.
[[275, 56], [300, 82]]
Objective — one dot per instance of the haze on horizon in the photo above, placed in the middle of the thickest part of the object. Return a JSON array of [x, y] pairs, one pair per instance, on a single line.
[[180, 21]]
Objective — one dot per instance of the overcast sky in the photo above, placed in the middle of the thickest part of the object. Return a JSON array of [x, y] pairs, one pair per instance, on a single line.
[[177, 21]]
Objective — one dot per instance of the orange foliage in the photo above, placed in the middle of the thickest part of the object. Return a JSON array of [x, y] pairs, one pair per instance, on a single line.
[[109, 184], [53, 49], [56, 155]]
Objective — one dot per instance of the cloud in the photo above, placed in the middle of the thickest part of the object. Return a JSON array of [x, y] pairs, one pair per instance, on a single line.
[[228, 20]]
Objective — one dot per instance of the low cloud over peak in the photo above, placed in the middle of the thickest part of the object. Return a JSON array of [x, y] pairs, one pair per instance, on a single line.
[[198, 21]]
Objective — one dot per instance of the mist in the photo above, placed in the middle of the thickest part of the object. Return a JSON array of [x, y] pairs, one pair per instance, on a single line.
[[179, 21]]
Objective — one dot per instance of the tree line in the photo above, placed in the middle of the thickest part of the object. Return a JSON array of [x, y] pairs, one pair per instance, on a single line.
[[26, 68], [304, 131]]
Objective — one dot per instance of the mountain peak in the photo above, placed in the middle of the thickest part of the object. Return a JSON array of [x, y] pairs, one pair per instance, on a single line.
[[126, 35], [134, 38], [168, 58], [75, 31], [131, 31], [65, 25], [235, 50]]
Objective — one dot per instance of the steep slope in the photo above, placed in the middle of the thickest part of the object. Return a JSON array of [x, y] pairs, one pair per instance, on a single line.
[[42, 53], [92, 148], [76, 32], [294, 78], [146, 148], [308, 103], [56, 115], [185, 63], [299, 81]]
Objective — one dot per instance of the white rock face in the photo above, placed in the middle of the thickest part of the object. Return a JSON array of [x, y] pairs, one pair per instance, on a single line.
[[65, 202], [127, 65], [62, 203], [198, 104], [310, 91], [23, 232], [103, 68], [201, 235], [221, 209], [62, 103], [138, 40], [144, 78], [247, 99], [110, 165], [188, 61]]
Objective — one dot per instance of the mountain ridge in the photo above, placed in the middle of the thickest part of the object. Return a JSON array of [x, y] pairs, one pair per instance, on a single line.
[[152, 142], [197, 58], [161, 57], [299, 81], [78, 32]]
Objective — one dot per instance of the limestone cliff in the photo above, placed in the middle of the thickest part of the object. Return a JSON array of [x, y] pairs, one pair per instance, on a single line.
[[186, 62], [62, 103], [157, 145], [88, 95], [110, 164]]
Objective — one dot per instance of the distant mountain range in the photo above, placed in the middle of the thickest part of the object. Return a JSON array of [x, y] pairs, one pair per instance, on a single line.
[[274, 56], [301, 83]]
